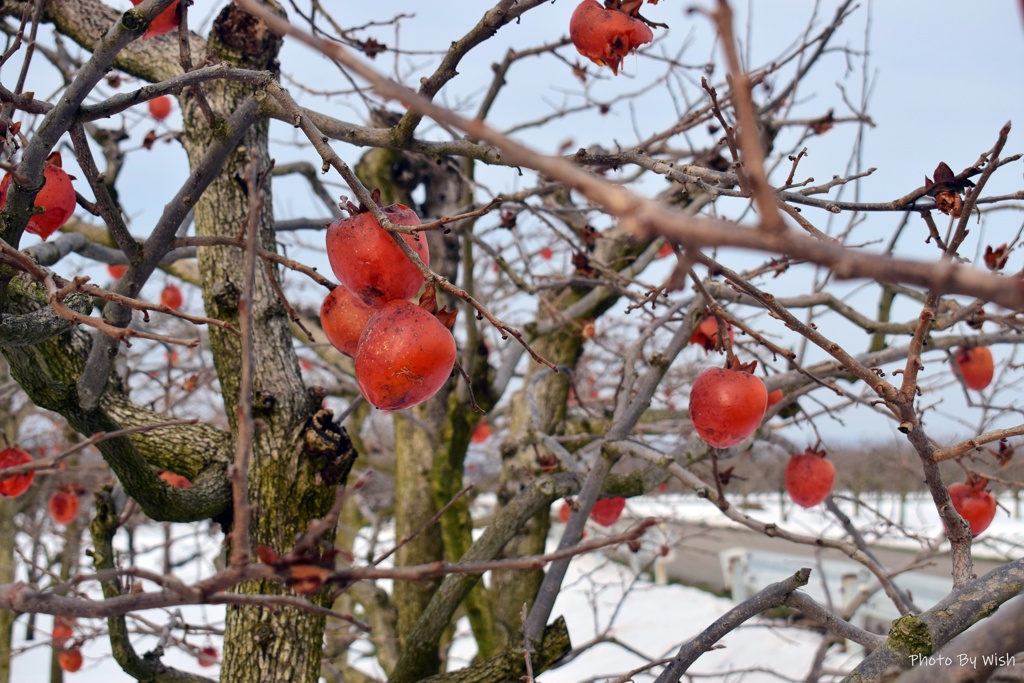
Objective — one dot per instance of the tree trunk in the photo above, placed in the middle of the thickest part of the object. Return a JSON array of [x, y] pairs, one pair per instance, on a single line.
[[286, 485]]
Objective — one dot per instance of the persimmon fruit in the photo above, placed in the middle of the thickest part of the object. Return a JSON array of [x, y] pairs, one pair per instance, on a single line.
[[976, 366], [56, 198], [405, 355], [70, 660], [343, 317], [564, 512], [606, 36], [366, 259], [809, 478], [706, 334], [19, 483], [774, 397], [727, 404], [160, 107], [165, 22], [63, 505], [116, 271], [607, 511], [974, 503], [171, 297], [62, 631], [207, 656], [481, 432]]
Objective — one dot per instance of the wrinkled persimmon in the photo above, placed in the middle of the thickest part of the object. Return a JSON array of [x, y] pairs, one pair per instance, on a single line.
[[404, 356], [606, 36]]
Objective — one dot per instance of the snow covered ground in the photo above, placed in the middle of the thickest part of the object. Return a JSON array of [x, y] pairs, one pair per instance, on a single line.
[[636, 620]]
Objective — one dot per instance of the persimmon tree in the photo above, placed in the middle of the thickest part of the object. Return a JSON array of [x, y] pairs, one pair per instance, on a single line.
[[585, 263]]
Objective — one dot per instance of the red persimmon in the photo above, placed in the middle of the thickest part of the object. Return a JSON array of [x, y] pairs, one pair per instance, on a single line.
[[809, 477], [727, 404], [404, 356], [366, 259], [62, 631], [171, 297], [564, 512], [19, 483], [165, 22], [116, 271], [56, 198], [207, 656], [706, 334], [70, 660], [605, 36], [974, 503], [175, 480], [481, 432], [976, 366], [160, 107], [343, 317], [607, 511], [63, 505]]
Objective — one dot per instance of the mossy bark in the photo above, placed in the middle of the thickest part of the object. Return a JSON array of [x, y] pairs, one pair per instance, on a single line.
[[286, 487], [292, 476], [8, 506]]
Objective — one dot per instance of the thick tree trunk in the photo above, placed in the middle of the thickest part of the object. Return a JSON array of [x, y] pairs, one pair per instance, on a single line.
[[286, 487]]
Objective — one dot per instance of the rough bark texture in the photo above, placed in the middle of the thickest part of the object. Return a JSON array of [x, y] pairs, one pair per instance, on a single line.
[[48, 372], [8, 506], [286, 488]]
